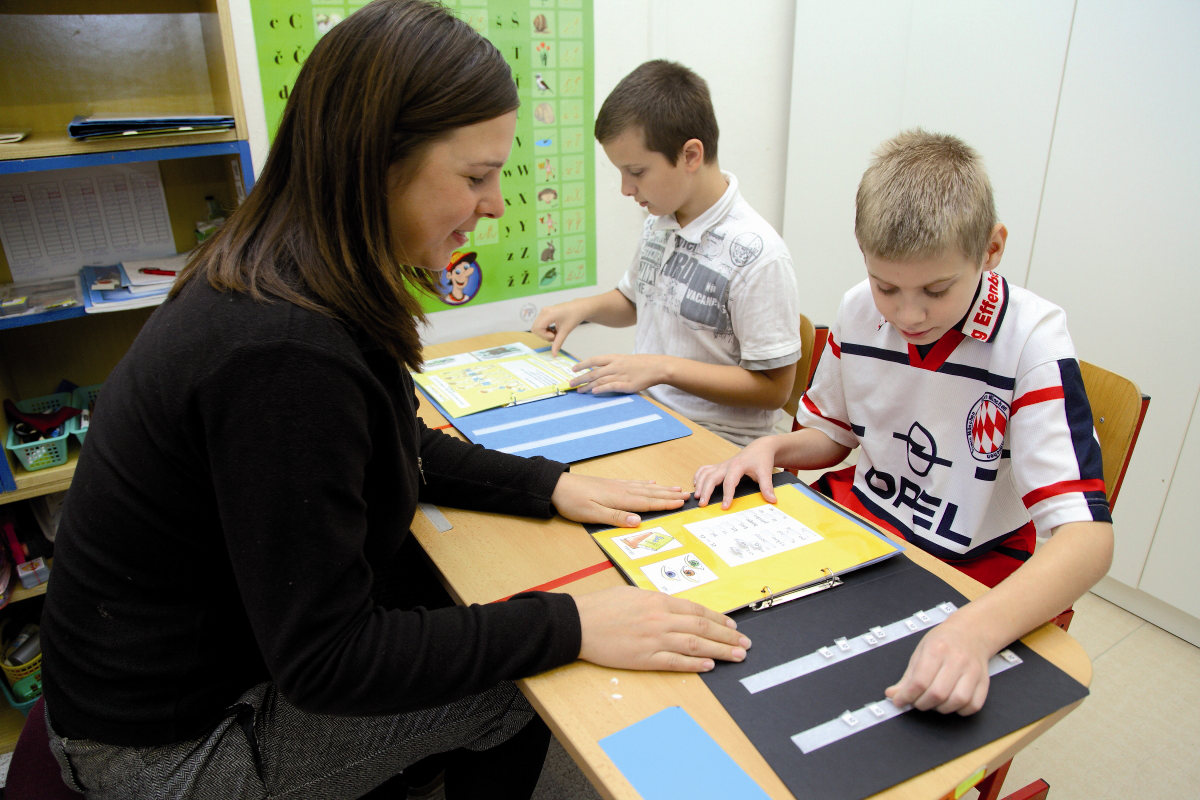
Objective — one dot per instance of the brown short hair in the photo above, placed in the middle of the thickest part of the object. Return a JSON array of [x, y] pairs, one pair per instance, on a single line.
[[671, 105], [923, 195], [393, 78]]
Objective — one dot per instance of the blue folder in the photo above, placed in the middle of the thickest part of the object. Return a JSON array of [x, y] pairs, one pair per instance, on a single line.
[[570, 427]]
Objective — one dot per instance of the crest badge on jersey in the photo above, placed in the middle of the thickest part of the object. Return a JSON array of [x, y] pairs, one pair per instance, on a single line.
[[985, 427]]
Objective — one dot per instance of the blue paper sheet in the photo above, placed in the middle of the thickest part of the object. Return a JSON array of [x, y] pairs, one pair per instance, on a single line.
[[668, 756]]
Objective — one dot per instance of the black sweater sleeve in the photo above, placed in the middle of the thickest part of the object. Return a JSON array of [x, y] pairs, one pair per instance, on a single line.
[[470, 476], [299, 528]]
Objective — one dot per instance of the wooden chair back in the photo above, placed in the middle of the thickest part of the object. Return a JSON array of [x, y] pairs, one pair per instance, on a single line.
[[803, 371], [1118, 409]]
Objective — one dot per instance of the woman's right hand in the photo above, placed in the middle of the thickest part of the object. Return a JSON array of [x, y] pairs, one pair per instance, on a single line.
[[632, 628]]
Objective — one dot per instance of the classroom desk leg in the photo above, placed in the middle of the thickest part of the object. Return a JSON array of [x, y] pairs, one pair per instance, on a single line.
[[989, 787], [1038, 790]]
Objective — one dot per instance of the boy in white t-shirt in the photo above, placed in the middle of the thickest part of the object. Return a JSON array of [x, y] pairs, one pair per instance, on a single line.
[[967, 402], [711, 289]]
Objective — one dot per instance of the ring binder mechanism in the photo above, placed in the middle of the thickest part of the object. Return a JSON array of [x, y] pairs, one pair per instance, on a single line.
[[514, 401], [772, 599]]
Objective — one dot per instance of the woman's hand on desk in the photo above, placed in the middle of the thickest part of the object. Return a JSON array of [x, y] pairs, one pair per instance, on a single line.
[[632, 628], [584, 498]]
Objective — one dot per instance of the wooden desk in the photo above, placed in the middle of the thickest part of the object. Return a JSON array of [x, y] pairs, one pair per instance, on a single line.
[[486, 557]]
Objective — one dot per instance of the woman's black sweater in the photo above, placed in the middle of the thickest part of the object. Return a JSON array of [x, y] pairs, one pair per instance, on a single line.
[[250, 467]]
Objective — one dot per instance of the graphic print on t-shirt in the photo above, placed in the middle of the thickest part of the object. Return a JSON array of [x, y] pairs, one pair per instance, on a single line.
[[691, 284]]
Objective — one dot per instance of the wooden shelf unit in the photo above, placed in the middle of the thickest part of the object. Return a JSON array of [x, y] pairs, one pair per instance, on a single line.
[[62, 58], [132, 57]]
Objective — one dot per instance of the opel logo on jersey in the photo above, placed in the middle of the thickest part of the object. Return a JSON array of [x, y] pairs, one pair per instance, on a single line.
[[922, 449], [985, 427]]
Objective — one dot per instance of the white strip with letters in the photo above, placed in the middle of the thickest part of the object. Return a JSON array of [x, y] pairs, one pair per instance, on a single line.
[[851, 722], [847, 648]]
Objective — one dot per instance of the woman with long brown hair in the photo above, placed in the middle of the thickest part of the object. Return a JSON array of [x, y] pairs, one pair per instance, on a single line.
[[223, 620]]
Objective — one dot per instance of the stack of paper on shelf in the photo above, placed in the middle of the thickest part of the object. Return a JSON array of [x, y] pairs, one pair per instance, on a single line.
[[111, 289], [108, 126]]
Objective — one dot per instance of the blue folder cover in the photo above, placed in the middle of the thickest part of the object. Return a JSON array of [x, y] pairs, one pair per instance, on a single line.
[[570, 427], [668, 755]]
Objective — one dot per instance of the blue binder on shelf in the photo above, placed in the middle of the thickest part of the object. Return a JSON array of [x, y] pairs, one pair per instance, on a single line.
[[569, 427]]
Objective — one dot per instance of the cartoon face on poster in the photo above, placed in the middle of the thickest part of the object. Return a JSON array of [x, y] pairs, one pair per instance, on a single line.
[[460, 280]]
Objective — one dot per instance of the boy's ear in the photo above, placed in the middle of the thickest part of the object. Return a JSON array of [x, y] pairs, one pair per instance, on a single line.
[[692, 154], [995, 247]]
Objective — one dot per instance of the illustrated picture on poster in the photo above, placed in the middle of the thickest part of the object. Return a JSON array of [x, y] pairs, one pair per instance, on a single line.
[[461, 279]]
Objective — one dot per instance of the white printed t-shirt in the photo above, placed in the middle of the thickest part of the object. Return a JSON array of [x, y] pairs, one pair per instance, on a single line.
[[720, 291], [973, 446]]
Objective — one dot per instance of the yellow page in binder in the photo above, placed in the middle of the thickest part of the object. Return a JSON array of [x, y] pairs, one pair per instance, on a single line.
[[725, 560], [468, 387]]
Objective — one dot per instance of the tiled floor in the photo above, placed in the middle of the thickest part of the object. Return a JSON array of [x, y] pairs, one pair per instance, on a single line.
[[1136, 736]]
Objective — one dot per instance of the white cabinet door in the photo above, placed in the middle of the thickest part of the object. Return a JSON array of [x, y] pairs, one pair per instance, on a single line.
[[1170, 573], [1115, 237]]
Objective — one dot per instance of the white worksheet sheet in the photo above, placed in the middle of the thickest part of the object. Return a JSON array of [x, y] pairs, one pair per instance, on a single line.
[[746, 536]]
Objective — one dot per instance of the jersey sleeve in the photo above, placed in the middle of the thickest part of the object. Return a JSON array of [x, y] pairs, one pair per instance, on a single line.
[[1056, 461], [824, 406], [764, 310]]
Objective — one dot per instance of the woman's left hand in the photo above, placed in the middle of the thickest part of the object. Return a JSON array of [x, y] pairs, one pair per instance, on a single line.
[[603, 500]]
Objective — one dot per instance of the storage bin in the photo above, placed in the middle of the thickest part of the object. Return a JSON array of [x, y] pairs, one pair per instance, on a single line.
[[12, 701], [14, 674], [45, 452], [82, 398]]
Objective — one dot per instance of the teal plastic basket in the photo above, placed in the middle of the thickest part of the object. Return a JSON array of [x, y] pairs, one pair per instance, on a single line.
[[44, 452], [82, 398], [12, 701]]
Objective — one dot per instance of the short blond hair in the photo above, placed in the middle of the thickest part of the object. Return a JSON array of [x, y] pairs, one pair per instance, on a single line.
[[923, 195]]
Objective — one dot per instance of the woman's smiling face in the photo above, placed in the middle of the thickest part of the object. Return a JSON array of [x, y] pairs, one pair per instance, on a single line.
[[456, 183]]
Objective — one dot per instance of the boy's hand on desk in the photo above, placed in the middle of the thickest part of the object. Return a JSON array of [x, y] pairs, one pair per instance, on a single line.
[[757, 460], [623, 374], [948, 672], [632, 628], [584, 498]]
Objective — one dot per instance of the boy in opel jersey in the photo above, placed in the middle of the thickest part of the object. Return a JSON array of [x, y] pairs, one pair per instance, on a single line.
[[966, 400]]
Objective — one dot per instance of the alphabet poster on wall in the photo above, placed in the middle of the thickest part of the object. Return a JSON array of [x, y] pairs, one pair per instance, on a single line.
[[546, 239]]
